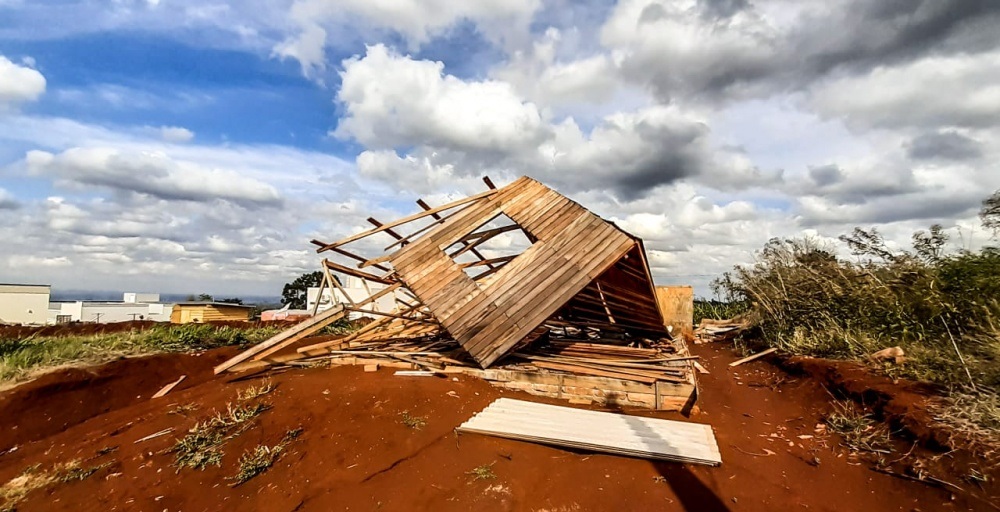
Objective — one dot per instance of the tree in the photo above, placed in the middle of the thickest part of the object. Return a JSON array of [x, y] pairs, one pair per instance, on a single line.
[[990, 213], [201, 297], [294, 293], [232, 300], [930, 245]]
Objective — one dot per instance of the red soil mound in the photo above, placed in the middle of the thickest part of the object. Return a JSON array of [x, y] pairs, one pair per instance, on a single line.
[[355, 453]]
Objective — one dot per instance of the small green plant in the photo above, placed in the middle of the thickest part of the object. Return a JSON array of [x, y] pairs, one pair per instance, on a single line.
[[254, 392], [261, 458], [484, 472], [74, 472], [860, 431], [414, 422], [202, 445], [183, 409]]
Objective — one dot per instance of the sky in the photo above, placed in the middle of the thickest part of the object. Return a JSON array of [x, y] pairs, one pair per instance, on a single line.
[[183, 146]]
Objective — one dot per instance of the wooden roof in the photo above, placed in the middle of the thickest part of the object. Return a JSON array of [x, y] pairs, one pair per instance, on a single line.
[[572, 248], [580, 272]]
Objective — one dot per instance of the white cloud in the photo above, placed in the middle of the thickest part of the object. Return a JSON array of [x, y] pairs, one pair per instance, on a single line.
[[150, 173], [415, 20], [538, 74], [676, 49], [176, 134], [18, 84], [958, 90], [393, 101]]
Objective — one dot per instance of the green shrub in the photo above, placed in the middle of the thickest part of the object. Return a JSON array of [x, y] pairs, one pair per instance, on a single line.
[[806, 300]]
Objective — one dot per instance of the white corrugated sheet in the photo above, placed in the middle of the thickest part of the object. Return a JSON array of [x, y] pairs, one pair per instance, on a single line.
[[606, 432]]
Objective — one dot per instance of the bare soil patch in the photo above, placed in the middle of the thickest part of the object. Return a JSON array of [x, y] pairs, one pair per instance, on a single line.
[[357, 451]]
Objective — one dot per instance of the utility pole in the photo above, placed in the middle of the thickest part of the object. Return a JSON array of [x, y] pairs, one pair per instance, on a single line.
[[97, 318]]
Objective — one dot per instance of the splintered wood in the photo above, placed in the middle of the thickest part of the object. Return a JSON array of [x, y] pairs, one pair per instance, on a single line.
[[574, 315]]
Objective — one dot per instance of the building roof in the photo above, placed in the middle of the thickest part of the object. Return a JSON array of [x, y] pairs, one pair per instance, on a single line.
[[210, 303], [23, 284]]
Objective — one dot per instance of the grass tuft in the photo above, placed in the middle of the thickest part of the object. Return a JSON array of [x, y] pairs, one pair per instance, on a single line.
[[202, 446], [33, 478], [254, 392], [414, 422], [262, 457], [861, 433], [484, 472]]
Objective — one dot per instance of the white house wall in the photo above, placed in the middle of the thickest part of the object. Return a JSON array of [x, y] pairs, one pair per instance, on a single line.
[[24, 304]]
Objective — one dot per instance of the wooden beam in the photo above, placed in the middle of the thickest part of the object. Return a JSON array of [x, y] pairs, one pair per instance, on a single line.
[[389, 231], [356, 273], [421, 230], [489, 183], [758, 355], [286, 337], [410, 218]]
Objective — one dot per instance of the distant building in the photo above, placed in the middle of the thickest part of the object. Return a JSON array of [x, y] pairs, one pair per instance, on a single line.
[[357, 292], [199, 312], [24, 303], [285, 313], [134, 306]]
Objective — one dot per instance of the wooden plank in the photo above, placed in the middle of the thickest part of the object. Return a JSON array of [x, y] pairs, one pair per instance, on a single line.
[[409, 218], [758, 355], [166, 389], [287, 336], [619, 434], [583, 370], [356, 273]]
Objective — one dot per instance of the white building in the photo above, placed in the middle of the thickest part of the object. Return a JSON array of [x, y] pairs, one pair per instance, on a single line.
[[24, 303], [134, 306], [356, 290]]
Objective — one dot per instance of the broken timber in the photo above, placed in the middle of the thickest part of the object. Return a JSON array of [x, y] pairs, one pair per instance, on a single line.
[[577, 303]]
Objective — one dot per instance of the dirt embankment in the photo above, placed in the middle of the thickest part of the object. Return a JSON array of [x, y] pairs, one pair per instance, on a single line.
[[356, 452]]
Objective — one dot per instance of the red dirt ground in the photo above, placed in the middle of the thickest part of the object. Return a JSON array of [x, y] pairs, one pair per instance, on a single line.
[[356, 454]]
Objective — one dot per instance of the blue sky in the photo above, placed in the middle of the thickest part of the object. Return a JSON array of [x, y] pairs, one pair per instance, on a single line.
[[183, 146]]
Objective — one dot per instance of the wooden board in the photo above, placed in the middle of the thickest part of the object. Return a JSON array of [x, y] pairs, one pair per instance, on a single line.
[[677, 308], [287, 337], [604, 432]]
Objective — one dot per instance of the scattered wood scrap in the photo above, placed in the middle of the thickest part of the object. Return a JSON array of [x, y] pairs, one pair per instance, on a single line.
[[605, 432], [169, 387], [758, 355]]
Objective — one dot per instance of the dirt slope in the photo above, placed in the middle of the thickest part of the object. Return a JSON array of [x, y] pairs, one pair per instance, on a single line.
[[355, 453]]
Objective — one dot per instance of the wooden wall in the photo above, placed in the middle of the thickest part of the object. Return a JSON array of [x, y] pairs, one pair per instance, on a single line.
[[677, 308]]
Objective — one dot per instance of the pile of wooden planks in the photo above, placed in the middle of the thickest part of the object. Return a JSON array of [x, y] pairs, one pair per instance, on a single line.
[[618, 434]]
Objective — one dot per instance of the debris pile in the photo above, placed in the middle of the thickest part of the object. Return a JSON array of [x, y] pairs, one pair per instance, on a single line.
[[574, 315]]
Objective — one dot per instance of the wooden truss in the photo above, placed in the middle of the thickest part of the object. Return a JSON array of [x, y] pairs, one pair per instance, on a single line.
[[581, 274]]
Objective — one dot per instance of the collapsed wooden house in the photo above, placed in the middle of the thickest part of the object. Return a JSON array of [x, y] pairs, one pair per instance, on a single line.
[[574, 315]]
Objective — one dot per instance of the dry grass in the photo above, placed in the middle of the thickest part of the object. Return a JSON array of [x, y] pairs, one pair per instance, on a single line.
[[33, 478], [21, 359], [254, 392], [975, 416], [414, 422], [861, 432], [262, 457], [202, 446]]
